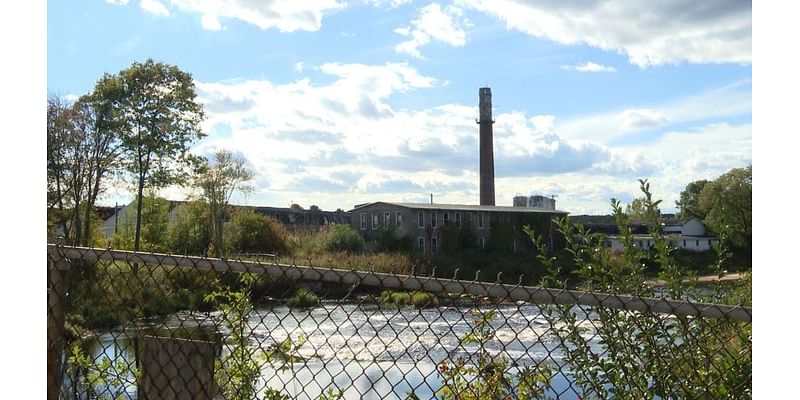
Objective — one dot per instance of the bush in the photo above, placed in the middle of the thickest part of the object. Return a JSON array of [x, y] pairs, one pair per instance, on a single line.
[[392, 240], [416, 298], [250, 232], [303, 299], [189, 231], [341, 238]]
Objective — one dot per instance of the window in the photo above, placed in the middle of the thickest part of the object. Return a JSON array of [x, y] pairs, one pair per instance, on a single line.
[[363, 221], [374, 221], [458, 219], [445, 217], [421, 244], [386, 219], [697, 243], [433, 246], [483, 243], [398, 218], [684, 242], [480, 220], [421, 219], [433, 219], [608, 243]]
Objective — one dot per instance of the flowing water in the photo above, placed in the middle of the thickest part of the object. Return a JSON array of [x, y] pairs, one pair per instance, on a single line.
[[369, 351]]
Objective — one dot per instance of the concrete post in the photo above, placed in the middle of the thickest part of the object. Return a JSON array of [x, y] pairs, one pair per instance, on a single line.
[[56, 311]]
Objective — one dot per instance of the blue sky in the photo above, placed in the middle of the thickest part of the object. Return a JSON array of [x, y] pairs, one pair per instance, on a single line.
[[336, 103]]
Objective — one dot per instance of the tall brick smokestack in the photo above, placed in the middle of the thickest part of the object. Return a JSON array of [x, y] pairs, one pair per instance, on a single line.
[[486, 143]]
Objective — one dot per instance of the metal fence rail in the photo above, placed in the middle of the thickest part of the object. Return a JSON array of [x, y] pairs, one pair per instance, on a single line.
[[141, 325]]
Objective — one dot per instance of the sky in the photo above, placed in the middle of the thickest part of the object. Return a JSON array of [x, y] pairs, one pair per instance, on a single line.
[[336, 103]]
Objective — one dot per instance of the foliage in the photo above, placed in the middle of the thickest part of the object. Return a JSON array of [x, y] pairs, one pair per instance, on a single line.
[[729, 201], [415, 298], [154, 226], [689, 202], [188, 232], [238, 370], [251, 232], [644, 355], [303, 299], [489, 376], [218, 179], [637, 210], [392, 240], [82, 150], [113, 377], [339, 237], [158, 120]]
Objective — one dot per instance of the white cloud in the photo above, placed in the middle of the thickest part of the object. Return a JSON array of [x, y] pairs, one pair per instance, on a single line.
[[589, 67], [284, 15], [434, 23], [298, 66], [641, 118], [390, 3], [154, 7], [339, 143], [728, 101], [650, 33]]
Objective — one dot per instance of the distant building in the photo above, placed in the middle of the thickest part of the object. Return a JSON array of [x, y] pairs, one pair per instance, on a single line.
[[490, 226], [688, 234], [291, 217], [535, 201]]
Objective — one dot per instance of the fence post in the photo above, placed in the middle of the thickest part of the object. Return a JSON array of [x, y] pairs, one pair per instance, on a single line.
[[56, 310], [178, 369]]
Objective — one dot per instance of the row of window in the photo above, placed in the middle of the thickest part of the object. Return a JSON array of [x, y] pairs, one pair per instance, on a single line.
[[646, 243], [398, 219], [435, 246], [387, 219]]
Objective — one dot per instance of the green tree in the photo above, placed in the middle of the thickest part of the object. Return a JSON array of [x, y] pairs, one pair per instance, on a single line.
[[82, 149], [729, 201], [218, 178], [250, 232], [161, 120], [689, 203], [189, 232], [153, 223], [637, 210]]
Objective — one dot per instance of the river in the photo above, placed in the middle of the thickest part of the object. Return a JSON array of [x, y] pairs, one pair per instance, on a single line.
[[368, 351]]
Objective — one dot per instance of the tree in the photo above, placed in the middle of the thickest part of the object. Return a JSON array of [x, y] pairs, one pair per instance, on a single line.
[[689, 202], [251, 232], [82, 149], [189, 232], [218, 179], [153, 221], [637, 211], [60, 144], [159, 121], [729, 201]]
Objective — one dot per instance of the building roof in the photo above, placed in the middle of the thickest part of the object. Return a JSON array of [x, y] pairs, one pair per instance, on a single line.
[[463, 207]]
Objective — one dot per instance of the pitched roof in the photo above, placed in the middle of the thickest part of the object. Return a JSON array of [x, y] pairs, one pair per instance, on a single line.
[[462, 207]]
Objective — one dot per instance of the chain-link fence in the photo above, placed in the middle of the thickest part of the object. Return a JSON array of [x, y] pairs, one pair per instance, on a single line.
[[155, 326]]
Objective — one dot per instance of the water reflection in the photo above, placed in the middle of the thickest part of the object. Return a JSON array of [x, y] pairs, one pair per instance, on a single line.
[[365, 350]]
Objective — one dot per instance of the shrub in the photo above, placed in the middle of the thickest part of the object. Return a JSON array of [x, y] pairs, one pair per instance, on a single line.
[[416, 298], [392, 240], [342, 238], [188, 232], [303, 299], [250, 232]]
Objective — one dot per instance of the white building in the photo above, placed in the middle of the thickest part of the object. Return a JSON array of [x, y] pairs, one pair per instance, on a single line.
[[689, 234]]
